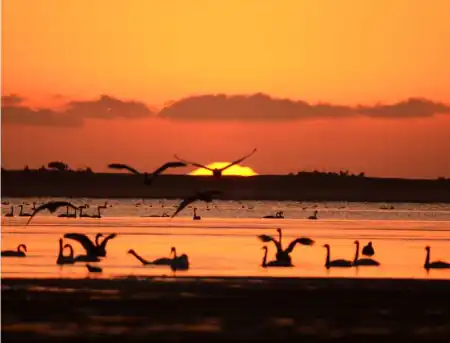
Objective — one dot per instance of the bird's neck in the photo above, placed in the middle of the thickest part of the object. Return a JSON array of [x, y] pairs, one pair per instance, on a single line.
[[327, 262], [427, 259], [357, 252], [264, 261], [141, 259]]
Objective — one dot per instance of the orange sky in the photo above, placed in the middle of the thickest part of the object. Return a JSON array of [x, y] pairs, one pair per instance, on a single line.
[[153, 52]]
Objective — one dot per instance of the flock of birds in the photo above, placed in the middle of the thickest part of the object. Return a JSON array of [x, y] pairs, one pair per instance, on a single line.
[[95, 250]]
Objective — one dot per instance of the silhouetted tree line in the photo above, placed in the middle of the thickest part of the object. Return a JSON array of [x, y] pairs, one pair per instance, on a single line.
[[60, 166], [54, 166]]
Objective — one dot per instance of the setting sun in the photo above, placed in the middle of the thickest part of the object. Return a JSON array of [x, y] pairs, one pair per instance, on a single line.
[[235, 170]]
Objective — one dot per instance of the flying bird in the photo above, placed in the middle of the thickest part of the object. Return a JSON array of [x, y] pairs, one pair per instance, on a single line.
[[206, 196], [52, 206], [148, 178], [217, 171]]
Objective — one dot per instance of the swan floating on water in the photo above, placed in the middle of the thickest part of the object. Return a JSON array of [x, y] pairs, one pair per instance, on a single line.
[[275, 263], [314, 216], [20, 252], [368, 250], [435, 264], [363, 261], [341, 263], [61, 259], [195, 216], [278, 215], [284, 254]]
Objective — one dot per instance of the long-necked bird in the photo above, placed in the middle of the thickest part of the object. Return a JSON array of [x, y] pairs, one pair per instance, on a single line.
[[217, 171], [148, 178], [92, 248], [52, 206], [206, 196]]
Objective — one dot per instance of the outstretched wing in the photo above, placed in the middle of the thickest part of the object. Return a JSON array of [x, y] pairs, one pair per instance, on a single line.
[[123, 166], [52, 206], [183, 205], [239, 160], [167, 165], [302, 240], [267, 238], [87, 244], [193, 163], [107, 238]]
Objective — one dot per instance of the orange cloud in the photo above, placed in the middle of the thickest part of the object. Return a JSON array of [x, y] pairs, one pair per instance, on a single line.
[[258, 107], [74, 112]]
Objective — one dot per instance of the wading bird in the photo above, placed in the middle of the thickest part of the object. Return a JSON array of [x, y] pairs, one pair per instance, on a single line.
[[217, 171], [148, 178]]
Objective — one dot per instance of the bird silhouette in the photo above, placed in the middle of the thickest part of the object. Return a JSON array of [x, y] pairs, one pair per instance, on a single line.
[[435, 264], [148, 178], [275, 263], [62, 259], [284, 254], [278, 215], [341, 263], [52, 206], [368, 250], [159, 261], [20, 252], [217, 171], [93, 269], [206, 196], [363, 261], [92, 248]]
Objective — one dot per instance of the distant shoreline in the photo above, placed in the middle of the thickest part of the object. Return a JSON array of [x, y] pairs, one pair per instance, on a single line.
[[303, 187]]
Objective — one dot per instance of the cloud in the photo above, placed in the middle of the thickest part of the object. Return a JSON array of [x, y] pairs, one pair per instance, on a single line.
[[220, 107], [261, 107], [73, 113], [413, 107], [11, 100]]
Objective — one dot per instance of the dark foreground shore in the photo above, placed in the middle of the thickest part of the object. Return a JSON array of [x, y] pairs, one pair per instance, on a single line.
[[301, 310], [303, 187]]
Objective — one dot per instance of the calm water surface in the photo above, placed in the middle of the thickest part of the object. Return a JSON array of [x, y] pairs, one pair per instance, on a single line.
[[224, 242]]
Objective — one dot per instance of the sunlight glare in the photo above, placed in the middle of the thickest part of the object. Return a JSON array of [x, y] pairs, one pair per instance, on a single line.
[[235, 170]]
